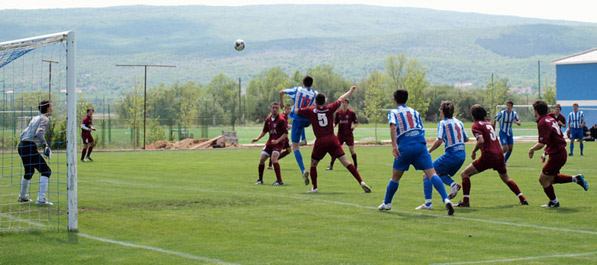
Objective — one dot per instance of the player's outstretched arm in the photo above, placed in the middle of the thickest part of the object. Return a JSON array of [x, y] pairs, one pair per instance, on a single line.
[[347, 94], [282, 99]]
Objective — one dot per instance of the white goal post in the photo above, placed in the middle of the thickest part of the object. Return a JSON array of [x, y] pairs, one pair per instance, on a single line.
[[22, 73]]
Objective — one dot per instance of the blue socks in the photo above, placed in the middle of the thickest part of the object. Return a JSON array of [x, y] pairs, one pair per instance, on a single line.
[[506, 156], [581, 148], [572, 147], [390, 191], [427, 189], [299, 160], [439, 186]]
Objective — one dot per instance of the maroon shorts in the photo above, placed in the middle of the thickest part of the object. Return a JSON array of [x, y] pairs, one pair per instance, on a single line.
[[328, 144], [487, 162], [87, 138], [269, 149], [554, 163], [348, 139]]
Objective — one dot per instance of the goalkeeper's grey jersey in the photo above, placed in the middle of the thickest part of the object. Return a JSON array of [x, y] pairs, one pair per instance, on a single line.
[[36, 130]]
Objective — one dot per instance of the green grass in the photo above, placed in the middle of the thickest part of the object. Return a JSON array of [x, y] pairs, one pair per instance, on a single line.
[[204, 203]]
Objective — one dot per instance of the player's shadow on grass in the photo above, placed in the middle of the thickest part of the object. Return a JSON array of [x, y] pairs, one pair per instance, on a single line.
[[426, 215]]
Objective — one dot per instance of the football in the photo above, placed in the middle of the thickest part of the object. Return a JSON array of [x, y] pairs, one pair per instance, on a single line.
[[239, 45]]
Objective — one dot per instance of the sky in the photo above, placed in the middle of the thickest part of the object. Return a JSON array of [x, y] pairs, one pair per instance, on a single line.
[[573, 10]]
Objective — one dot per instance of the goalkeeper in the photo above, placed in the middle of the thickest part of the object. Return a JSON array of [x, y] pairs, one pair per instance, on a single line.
[[32, 136]]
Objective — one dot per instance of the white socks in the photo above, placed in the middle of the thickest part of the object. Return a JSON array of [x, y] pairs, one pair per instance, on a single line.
[[24, 186], [43, 187]]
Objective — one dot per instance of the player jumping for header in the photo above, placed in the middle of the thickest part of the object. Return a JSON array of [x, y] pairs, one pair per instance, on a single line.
[[302, 96]]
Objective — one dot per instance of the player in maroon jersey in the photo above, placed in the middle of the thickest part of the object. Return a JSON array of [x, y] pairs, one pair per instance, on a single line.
[[347, 121], [321, 118], [88, 142], [556, 114], [551, 136], [278, 131], [285, 115], [492, 156]]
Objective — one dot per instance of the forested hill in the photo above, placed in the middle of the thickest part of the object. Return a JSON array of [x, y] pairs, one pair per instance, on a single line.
[[354, 39]]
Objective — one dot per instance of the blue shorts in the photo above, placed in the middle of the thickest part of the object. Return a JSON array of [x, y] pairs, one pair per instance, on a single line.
[[413, 154], [298, 128], [576, 133], [449, 163], [505, 139]]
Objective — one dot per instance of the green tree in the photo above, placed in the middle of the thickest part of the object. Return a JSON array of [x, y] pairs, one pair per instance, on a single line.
[[415, 83], [264, 89], [395, 70], [374, 97], [130, 107], [496, 93]]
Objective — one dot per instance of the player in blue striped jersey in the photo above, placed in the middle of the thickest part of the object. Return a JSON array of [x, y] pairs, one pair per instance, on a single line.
[[507, 117], [451, 132], [303, 97], [409, 148], [576, 122]]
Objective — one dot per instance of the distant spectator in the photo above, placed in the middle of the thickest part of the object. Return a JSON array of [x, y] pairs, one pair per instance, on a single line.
[[586, 134], [593, 132]]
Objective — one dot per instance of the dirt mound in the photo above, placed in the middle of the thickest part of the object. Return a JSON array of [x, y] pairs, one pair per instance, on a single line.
[[188, 144]]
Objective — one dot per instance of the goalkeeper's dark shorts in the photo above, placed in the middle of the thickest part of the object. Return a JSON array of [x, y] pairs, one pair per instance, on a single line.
[[33, 160]]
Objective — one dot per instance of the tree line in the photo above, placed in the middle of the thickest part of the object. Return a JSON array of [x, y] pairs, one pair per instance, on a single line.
[[218, 100]]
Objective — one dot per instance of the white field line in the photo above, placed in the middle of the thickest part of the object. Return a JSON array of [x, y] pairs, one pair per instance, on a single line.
[[126, 244], [181, 254], [520, 259], [308, 198]]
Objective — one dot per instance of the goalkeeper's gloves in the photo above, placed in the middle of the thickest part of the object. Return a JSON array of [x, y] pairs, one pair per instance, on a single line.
[[48, 152]]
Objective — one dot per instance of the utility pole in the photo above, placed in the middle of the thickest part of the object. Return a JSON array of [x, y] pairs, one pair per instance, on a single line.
[[50, 62], [145, 91], [239, 103], [539, 77]]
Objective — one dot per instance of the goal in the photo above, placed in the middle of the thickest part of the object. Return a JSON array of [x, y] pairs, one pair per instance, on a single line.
[[31, 70]]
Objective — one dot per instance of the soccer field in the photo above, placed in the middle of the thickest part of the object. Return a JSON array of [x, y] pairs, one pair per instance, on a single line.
[[201, 207]]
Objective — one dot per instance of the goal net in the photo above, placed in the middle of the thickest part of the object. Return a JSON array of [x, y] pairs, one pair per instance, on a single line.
[[31, 70]]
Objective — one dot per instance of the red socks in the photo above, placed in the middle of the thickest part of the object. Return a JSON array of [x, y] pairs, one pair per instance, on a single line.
[[277, 170], [354, 159], [514, 188], [551, 194], [355, 173], [261, 168], [466, 189], [562, 179], [313, 173]]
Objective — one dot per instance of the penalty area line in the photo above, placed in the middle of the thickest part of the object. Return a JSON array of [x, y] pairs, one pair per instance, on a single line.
[[520, 259], [180, 254]]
